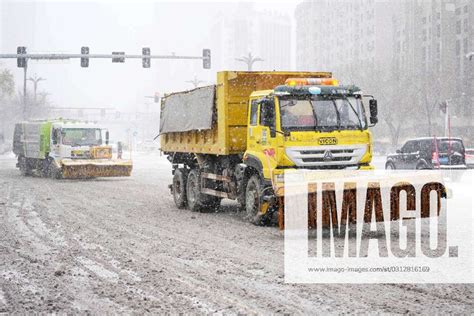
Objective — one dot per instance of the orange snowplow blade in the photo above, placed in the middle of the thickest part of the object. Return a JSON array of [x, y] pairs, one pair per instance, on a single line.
[[329, 202], [92, 168]]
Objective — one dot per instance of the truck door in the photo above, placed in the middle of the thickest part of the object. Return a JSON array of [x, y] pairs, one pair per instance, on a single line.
[[56, 142], [267, 124], [253, 129], [261, 141]]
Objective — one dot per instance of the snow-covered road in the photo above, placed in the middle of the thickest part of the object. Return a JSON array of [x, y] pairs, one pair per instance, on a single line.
[[120, 245]]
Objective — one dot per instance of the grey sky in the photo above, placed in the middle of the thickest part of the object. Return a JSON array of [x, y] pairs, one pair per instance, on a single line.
[[104, 26]]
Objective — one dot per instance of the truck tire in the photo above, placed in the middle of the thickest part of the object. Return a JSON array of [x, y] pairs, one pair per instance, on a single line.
[[179, 187], [25, 167], [52, 171], [193, 191], [241, 194], [253, 198], [197, 201], [390, 166]]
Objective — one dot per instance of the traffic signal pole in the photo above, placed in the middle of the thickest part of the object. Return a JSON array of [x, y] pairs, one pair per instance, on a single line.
[[25, 106], [23, 57], [103, 56]]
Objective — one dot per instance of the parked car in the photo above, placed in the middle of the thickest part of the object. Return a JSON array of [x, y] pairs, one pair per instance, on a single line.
[[2, 145], [470, 158], [429, 153]]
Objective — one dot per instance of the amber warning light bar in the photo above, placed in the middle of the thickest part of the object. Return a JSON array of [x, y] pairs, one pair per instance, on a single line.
[[311, 82]]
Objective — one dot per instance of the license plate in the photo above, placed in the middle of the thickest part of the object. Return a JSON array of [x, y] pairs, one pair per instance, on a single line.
[[328, 141], [443, 160]]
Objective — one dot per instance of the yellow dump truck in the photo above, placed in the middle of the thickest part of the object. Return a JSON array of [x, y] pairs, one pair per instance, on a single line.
[[66, 149], [235, 139]]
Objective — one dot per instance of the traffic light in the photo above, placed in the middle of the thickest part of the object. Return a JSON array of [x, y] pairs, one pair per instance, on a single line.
[[118, 57], [206, 58], [21, 62], [84, 60], [157, 97], [443, 106], [146, 62]]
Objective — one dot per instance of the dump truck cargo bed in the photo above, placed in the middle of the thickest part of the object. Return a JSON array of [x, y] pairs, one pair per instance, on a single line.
[[227, 132]]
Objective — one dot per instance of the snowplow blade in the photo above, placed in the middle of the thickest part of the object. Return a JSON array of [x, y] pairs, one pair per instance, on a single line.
[[330, 203], [80, 169]]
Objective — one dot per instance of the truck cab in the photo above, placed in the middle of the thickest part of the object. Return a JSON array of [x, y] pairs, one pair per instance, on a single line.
[[79, 141], [312, 126]]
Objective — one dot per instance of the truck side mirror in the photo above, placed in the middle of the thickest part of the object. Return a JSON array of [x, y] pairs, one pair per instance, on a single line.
[[55, 137], [267, 120], [272, 131], [373, 108], [106, 137], [267, 117]]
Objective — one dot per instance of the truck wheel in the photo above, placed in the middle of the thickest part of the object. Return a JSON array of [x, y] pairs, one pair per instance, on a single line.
[[198, 202], [241, 195], [253, 197], [389, 166], [52, 171], [25, 167], [179, 187], [193, 191]]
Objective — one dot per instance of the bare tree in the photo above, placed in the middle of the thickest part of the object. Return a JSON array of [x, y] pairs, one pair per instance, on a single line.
[[7, 84], [9, 110]]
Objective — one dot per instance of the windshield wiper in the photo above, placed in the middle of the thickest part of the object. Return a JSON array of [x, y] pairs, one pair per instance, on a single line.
[[314, 114], [338, 114], [326, 128], [355, 112]]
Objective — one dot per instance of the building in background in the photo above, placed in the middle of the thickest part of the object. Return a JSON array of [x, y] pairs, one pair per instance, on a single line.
[[348, 38], [1, 26], [464, 15], [432, 39], [411, 54], [243, 30]]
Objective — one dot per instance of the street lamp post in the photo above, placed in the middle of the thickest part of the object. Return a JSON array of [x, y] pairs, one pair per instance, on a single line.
[[249, 60], [25, 69], [195, 82], [35, 81]]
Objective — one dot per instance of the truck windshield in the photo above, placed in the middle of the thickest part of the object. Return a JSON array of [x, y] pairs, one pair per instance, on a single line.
[[322, 113], [81, 136]]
